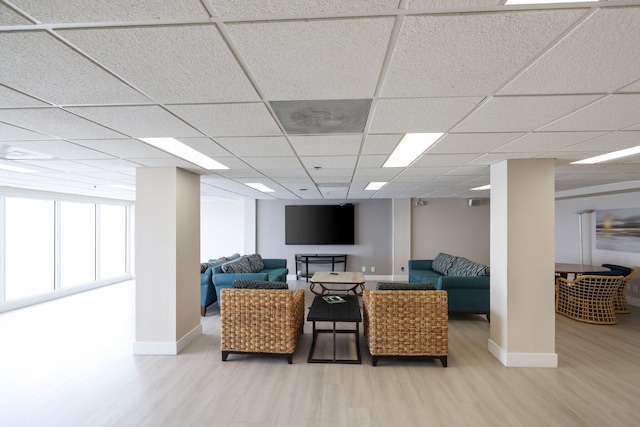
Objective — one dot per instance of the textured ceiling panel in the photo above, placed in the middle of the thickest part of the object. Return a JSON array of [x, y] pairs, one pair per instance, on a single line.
[[260, 8], [62, 149], [57, 73], [123, 148], [332, 59], [326, 145], [611, 113], [218, 120], [467, 54], [329, 162], [547, 141], [380, 144], [13, 133], [443, 160], [609, 142], [208, 147], [443, 4], [265, 163], [257, 146], [112, 10], [11, 98], [56, 123], [9, 17], [512, 114], [138, 121], [472, 142], [584, 61], [420, 114], [170, 64]]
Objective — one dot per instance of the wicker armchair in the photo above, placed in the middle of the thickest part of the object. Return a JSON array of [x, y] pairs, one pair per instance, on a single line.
[[620, 301], [261, 321], [589, 298], [406, 323]]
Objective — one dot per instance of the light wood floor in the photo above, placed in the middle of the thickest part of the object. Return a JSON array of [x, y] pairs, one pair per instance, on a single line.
[[69, 363]]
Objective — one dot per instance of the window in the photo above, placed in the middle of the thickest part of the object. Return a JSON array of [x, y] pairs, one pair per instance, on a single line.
[[29, 247], [113, 239], [77, 244]]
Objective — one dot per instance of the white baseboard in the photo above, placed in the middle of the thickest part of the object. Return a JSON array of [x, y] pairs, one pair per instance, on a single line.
[[523, 360], [166, 348]]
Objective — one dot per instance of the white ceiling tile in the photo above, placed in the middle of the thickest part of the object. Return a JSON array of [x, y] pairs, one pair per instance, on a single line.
[[420, 114], [170, 64], [610, 113], [469, 170], [374, 161], [329, 162], [493, 158], [123, 148], [521, 113], [208, 147], [415, 171], [444, 159], [57, 73], [14, 133], [113, 10], [288, 175], [323, 59], [10, 17], [584, 61], [606, 143], [634, 87], [546, 141], [380, 144], [478, 52], [111, 164], [300, 7], [265, 163], [218, 120], [239, 173], [472, 142], [275, 146], [11, 98], [62, 149], [56, 123], [443, 4], [138, 121], [376, 174], [326, 145], [61, 165]]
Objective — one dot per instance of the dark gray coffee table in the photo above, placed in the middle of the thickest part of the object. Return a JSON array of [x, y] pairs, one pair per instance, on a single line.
[[322, 311]]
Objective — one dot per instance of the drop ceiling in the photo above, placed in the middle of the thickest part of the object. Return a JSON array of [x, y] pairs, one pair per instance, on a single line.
[[310, 98]]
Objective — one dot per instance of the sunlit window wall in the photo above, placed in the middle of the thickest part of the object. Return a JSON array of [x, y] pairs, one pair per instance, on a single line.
[[51, 247]]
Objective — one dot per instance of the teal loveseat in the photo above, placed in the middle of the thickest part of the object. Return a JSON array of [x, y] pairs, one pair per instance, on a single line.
[[258, 268], [467, 283]]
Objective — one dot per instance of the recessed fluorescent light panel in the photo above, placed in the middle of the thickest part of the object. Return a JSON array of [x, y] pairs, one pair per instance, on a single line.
[[177, 148], [16, 169], [511, 2], [484, 187], [609, 156], [375, 186], [260, 187], [411, 146]]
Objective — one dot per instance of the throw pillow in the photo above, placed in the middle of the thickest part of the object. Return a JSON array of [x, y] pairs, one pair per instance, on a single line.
[[442, 263], [404, 286], [240, 265], [465, 267], [255, 261], [258, 284]]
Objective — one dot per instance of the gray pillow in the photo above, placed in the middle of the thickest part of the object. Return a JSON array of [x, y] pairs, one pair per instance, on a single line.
[[258, 284], [404, 286], [240, 265], [442, 263]]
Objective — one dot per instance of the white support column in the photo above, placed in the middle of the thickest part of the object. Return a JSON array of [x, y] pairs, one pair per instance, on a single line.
[[522, 331], [167, 260], [401, 238]]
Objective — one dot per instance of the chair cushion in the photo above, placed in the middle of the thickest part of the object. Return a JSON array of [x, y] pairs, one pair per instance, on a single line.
[[404, 286], [258, 284], [624, 270]]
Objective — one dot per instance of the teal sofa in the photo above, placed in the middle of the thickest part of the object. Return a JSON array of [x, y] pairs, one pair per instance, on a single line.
[[467, 283], [272, 269]]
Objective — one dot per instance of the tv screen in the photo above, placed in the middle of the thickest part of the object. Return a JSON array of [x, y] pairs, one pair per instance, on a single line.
[[319, 224]]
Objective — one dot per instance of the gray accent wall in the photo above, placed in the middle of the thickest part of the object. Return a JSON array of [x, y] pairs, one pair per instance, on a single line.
[[373, 234]]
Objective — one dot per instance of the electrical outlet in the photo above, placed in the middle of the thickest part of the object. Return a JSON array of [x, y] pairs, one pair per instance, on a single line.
[[364, 269], [402, 268], [373, 269]]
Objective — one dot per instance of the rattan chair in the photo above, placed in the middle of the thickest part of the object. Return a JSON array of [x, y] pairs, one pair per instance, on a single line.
[[261, 321], [589, 298], [406, 323], [620, 301]]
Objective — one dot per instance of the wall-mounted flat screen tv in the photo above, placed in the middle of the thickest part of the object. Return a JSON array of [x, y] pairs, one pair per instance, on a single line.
[[319, 224]]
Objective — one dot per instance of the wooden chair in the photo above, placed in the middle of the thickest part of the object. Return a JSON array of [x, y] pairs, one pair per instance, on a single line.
[[589, 298], [261, 321], [406, 323]]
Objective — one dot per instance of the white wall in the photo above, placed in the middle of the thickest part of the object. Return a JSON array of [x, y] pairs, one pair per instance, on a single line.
[[222, 229]]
